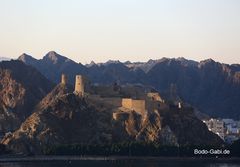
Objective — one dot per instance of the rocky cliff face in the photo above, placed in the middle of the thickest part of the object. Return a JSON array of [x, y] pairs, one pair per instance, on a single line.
[[168, 127], [64, 118], [21, 88], [130, 125], [60, 118]]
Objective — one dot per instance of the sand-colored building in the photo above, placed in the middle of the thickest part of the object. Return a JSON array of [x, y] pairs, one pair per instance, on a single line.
[[137, 105]]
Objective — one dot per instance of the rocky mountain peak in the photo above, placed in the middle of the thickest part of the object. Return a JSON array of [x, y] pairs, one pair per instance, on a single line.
[[207, 61], [26, 58], [54, 57], [112, 62], [92, 63]]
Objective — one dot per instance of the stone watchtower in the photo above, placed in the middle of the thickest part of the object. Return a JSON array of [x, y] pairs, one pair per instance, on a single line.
[[79, 85], [64, 79]]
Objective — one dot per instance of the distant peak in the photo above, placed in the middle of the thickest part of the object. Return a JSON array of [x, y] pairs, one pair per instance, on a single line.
[[92, 63], [127, 62], [54, 57], [110, 62], [207, 61], [181, 59], [25, 55], [186, 62], [151, 61], [113, 62], [52, 53], [25, 58]]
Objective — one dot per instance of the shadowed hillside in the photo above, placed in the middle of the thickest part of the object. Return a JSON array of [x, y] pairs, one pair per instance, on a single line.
[[21, 88]]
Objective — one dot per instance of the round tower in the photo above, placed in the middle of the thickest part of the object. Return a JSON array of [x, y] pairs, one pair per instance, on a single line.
[[79, 85], [64, 79]]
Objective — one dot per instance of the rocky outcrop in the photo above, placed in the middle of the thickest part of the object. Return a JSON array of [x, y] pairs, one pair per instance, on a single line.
[[168, 127], [21, 88], [60, 118]]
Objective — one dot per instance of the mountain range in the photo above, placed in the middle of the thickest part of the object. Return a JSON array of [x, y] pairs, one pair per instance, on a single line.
[[210, 86]]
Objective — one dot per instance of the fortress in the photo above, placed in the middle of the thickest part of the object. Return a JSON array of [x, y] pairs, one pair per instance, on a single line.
[[150, 102]]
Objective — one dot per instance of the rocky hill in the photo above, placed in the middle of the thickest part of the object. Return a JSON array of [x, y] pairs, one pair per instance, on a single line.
[[21, 88], [64, 118], [210, 86]]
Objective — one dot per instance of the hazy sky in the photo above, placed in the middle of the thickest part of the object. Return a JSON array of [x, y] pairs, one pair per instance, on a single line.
[[134, 30]]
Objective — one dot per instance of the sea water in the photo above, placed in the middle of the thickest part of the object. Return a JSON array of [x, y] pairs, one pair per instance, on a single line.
[[119, 163]]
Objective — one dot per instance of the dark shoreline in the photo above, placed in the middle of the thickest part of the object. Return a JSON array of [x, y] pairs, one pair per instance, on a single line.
[[114, 158]]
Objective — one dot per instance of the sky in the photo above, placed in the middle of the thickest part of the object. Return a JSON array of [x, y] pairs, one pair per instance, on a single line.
[[134, 30]]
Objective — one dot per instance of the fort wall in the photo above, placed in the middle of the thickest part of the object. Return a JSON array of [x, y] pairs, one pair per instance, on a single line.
[[137, 105], [117, 102], [111, 101], [127, 103]]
